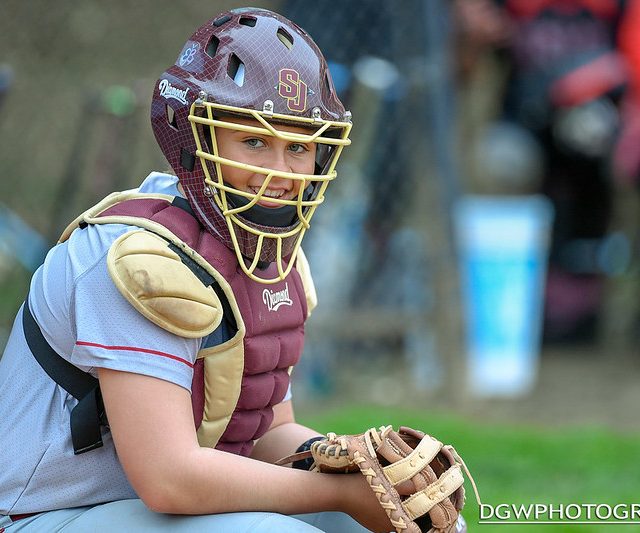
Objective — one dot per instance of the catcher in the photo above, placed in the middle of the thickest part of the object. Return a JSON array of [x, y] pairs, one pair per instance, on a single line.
[[184, 301]]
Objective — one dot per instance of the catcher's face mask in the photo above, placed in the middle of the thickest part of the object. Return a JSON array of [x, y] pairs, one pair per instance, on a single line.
[[268, 75], [267, 175]]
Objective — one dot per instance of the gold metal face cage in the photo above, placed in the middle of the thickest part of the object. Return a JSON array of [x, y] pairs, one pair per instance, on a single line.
[[332, 136]]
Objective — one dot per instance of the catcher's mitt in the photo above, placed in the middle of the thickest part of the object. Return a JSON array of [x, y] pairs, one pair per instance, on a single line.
[[417, 480]]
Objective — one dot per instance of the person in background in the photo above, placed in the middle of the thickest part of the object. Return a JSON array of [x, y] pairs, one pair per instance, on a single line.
[[571, 66]]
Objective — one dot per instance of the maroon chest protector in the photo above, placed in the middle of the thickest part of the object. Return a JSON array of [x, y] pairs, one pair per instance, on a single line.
[[273, 316]]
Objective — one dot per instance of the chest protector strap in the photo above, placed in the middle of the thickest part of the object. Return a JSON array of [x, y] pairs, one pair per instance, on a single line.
[[88, 415]]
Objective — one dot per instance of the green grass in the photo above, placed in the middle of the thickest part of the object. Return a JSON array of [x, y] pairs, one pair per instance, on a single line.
[[519, 464]]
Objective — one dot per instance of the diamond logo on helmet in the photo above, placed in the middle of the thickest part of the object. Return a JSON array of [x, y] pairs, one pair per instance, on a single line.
[[169, 91], [291, 87]]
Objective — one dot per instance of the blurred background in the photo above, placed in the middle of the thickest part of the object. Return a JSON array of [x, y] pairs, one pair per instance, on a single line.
[[478, 254]]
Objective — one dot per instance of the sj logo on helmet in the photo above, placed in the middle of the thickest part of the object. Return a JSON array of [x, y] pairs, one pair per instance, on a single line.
[[291, 87]]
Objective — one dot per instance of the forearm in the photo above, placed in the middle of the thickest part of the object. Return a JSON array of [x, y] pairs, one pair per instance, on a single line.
[[151, 422], [210, 481], [216, 482]]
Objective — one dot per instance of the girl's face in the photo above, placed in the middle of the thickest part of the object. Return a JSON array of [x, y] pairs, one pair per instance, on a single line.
[[267, 152]]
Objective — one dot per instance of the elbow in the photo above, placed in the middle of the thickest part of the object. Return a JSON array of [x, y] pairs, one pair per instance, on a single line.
[[162, 497], [173, 495], [163, 485], [159, 504]]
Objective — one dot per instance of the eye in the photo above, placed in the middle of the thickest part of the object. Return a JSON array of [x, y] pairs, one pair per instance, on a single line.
[[298, 148], [254, 142]]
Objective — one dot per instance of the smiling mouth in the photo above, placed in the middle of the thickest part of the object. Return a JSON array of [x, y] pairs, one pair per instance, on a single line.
[[278, 194]]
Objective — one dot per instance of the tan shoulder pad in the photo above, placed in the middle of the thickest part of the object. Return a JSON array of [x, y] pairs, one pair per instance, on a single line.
[[154, 280], [302, 266]]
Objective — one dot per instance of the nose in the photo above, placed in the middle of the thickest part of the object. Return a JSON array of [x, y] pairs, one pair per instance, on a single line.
[[277, 182], [278, 160]]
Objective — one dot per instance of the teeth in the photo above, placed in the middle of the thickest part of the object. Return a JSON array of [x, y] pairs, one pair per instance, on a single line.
[[269, 193]]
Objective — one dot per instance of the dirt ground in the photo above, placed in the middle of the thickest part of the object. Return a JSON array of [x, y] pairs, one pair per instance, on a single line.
[[577, 386]]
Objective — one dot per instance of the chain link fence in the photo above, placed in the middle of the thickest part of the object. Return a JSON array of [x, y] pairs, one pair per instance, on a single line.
[[76, 85], [75, 88], [380, 250]]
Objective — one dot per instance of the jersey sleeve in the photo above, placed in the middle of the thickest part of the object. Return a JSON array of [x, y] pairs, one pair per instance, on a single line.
[[111, 333]]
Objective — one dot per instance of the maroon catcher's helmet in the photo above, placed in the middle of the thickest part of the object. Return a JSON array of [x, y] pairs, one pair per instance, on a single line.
[[254, 64]]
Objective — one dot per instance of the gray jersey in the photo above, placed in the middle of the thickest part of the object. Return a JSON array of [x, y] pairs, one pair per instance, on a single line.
[[86, 320]]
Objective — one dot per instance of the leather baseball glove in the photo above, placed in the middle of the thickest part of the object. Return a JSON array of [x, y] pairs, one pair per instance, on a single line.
[[417, 480]]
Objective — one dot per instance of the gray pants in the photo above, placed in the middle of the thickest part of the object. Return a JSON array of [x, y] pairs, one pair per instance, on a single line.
[[133, 516]]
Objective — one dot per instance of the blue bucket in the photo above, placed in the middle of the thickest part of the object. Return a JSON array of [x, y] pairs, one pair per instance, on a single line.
[[503, 246]]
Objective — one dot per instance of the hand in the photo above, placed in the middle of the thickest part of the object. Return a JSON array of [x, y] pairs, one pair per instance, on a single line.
[[361, 503]]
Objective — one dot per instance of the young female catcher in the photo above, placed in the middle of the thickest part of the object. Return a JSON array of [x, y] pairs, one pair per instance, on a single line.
[[145, 384]]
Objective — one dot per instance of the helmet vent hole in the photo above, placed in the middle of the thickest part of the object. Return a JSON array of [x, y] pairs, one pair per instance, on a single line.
[[285, 38], [247, 21], [222, 20], [187, 160], [235, 70], [212, 47], [171, 117]]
